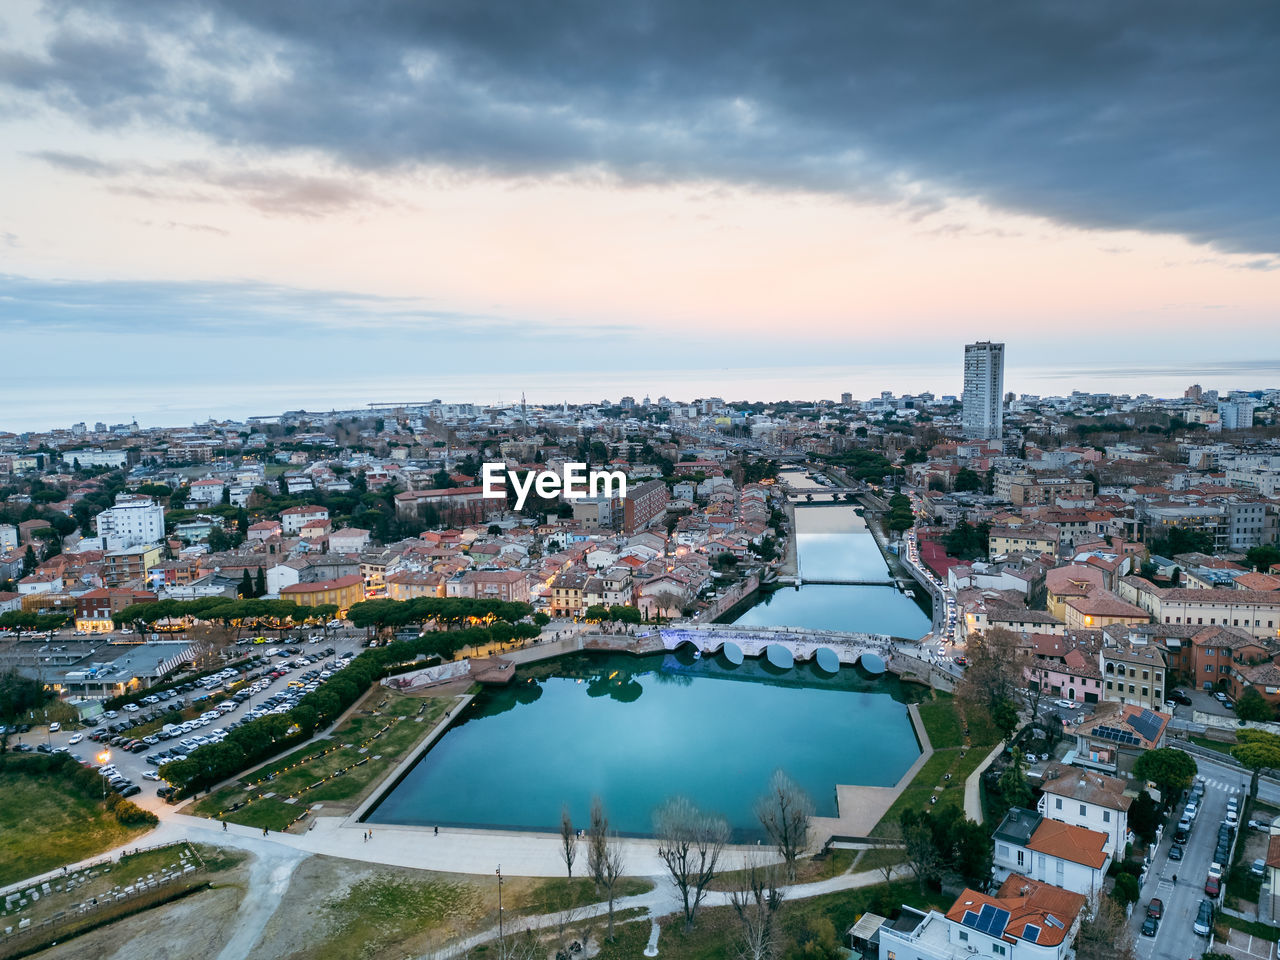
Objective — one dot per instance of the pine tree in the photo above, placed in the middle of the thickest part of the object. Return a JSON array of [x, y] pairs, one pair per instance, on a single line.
[[259, 584], [245, 590]]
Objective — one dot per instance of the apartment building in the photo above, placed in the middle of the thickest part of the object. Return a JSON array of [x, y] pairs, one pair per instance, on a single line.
[[983, 401], [343, 591], [643, 505], [1133, 674], [1050, 851], [1086, 798], [132, 521], [1257, 612]]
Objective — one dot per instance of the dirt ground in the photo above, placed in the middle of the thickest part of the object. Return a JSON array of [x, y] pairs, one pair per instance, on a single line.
[[288, 905], [193, 928]]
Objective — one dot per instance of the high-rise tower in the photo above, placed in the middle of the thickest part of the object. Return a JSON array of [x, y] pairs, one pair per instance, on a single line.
[[983, 415]]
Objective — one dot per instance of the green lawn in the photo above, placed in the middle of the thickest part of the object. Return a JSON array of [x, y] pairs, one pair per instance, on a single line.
[[942, 716], [46, 823], [941, 722], [560, 893], [1217, 745], [335, 770]]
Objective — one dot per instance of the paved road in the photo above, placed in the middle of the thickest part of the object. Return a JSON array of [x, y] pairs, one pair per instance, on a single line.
[[1175, 939]]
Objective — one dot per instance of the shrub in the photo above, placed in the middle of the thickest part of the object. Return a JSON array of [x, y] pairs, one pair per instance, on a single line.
[[131, 815]]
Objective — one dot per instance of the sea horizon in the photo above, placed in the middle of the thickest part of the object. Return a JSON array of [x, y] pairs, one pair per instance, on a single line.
[[52, 405]]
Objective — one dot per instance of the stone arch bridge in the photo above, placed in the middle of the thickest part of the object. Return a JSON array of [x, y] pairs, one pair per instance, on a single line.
[[783, 646]]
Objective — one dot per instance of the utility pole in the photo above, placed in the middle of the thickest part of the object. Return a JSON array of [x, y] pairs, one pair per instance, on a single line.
[[502, 943]]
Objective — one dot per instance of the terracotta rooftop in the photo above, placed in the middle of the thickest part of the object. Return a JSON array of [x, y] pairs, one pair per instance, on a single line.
[[1069, 842]]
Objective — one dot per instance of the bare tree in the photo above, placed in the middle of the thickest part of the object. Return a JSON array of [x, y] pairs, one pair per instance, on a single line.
[[690, 843], [1105, 935], [568, 840], [597, 841], [757, 909], [893, 836], [612, 865], [784, 813]]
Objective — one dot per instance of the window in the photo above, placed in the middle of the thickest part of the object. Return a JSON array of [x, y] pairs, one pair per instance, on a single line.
[[998, 948], [1057, 803], [1145, 675], [964, 936], [1083, 810], [1003, 850], [1106, 816], [1022, 857]]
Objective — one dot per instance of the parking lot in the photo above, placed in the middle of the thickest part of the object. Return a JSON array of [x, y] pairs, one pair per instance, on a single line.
[[256, 692]]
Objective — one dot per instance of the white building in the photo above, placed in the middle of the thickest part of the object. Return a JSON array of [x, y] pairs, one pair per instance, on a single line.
[[295, 518], [133, 521], [1235, 414], [983, 402], [206, 491], [1050, 851], [8, 537], [1026, 920], [1086, 798]]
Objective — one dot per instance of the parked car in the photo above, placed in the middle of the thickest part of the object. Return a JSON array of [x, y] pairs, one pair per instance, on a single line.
[[1204, 918], [1180, 696], [1150, 926], [1259, 868], [1155, 908], [1263, 825], [1175, 852], [1213, 885], [75, 738]]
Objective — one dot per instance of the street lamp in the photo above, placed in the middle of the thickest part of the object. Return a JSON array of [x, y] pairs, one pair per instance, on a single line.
[[103, 759], [502, 947]]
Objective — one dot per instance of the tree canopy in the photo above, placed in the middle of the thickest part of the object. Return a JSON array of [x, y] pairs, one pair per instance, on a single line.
[[1169, 769]]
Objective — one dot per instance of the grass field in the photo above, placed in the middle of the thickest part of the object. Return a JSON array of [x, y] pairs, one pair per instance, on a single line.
[[337, 771], [46, 823], [944, 722]]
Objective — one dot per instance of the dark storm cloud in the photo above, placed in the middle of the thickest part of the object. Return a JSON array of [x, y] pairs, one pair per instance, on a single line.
[[1152, 116]]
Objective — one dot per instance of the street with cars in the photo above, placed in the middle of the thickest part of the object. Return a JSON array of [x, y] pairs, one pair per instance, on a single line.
[[1188, 870]]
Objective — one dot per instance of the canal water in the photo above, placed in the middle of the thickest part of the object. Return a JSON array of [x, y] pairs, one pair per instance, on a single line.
[[833, 543], [636, 730]]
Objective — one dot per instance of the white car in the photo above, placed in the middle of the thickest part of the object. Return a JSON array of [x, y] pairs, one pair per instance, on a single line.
[[55, 727], [1066, 704], [75, 738], [151, 775], [132, 707]]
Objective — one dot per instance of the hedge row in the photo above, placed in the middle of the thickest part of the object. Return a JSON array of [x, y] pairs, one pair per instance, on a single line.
[[260, 739]]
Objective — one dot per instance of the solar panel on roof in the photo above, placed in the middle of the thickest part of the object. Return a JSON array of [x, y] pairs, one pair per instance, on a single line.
[[985, 918], [1053, 921], [1115, 735], [970, 919], [1146, 723], [998, 922], [1031, 934]]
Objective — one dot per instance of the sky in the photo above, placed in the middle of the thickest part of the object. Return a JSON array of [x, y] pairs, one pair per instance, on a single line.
[[244, 201]]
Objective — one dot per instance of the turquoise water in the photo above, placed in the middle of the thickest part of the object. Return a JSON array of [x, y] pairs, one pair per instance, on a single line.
[[636, 730], [834, 543], [851, 609]]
